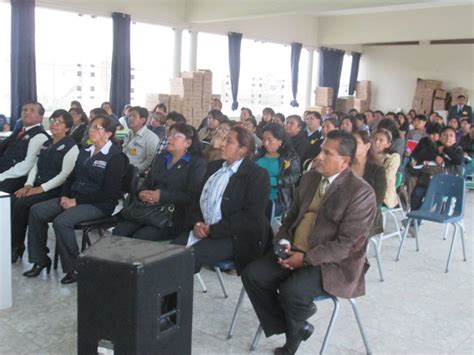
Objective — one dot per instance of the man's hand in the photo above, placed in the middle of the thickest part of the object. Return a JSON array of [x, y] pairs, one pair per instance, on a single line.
[[293, 262], [23, 191], [67, 202], [34, 191], [201, 230]]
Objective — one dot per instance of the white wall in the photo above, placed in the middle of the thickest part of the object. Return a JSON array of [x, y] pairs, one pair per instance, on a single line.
[[394, 70], [410, 25]]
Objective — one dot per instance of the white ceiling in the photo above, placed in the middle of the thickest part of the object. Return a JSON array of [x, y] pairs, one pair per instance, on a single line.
[[189, 12]]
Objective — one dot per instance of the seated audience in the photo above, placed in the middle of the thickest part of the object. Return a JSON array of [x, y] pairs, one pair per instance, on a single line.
[[367, 165], [214, 119], [140, 144], [245, 114], [465, 126], [295, 130], [353, 112], [171, 119], [123, 121], [348, 124], [330, 124], [4, 125], [157, 124], [325, 252], [313, 126], [361, 122], [267, 117], [372, 122], [381, 143], [107, 107], [411, 117], [461, 109], [228, 220], [216, 104], [283, 165], [18, 152], [55, 162], [173, 179], [415, 134], [454, 123], [402, 124], [398, 143], [251, 126], [75, 104], [328, 113], [449, 160], [279, 118], [213, 150], [79, 124], [93, 114], [467, 145], [91, 191]]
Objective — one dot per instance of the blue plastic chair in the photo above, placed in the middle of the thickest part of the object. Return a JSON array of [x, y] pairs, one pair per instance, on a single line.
[[332, 322], [443, 203]]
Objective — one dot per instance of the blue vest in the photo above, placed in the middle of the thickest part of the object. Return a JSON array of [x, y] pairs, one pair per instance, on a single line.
[[90, 171], [50, 159], [13, 150]]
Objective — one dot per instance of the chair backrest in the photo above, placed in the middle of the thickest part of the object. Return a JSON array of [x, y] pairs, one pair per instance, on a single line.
[[399, 179], [130, 180], [445, 196]]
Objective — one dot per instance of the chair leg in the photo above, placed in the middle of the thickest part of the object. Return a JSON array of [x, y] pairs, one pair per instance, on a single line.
[[397, 226], [446, 232], [451, 247], [56, 256], [416, 236], [201, 282], [85, 239], [230, 333], [359, 323], [377, 256], [461, 228], [221, 281], [256, 338], [334, 315], [405, 232]]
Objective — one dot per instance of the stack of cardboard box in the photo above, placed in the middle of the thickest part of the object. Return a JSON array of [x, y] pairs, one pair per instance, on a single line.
[[323, 96], [363, 95], [424, 95], [345, 103], [439, 102]]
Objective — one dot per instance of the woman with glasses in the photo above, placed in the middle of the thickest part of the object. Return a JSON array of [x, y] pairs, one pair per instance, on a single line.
[[174, 178], [214, 120], [79, 124], [91, 191], [55, 162], [283, 165]]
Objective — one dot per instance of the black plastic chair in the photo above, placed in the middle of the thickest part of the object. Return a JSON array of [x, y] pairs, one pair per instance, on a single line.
[[129, 186]]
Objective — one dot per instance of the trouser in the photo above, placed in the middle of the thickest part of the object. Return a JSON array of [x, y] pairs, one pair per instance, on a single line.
[[19, 214], [132, 229], [208, 251], [12, 185], [281, 298], [63, 224]]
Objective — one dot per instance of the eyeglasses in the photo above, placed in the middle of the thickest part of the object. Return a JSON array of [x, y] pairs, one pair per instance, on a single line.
[[56, 121], [96, 127], [176, 135]]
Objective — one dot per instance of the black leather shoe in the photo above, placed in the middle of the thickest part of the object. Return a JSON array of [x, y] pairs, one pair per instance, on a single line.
[[37, 268], [17, 252], [294, 341], [70, 278]]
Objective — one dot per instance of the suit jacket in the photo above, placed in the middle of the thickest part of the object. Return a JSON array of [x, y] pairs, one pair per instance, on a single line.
[[466, 111], [243, 211], [339, 237]]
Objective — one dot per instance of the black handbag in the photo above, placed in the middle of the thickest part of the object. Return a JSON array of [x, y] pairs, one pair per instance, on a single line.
[[159, 215]]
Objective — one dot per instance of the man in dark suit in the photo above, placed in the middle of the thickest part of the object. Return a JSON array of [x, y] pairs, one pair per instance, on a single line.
[[461, 110], [325, 238]]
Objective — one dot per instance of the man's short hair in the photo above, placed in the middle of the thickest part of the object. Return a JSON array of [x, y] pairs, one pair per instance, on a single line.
[[379, 112], [461, 97], [347, 143], [315, 114], [466, 120], [142, 111], [176, 117], [40, 107], [434, 128], [421, 118], [296, 118]]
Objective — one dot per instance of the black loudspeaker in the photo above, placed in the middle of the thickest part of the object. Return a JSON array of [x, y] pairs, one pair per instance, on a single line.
[[136, 297]]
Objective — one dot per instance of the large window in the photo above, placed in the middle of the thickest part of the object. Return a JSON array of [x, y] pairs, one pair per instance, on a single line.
[[5, 70], [152, 59], [73, 58], [345, 75]]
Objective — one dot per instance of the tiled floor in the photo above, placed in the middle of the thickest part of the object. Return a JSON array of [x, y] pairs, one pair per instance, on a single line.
[[417, 310]]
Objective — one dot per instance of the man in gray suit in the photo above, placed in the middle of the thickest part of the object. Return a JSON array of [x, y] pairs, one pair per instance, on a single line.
[[461, 110], [325, 238]]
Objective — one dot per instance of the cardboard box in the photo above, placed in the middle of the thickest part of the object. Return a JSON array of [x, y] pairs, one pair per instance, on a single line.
[[344, 104], [151, 100], [320, 109], [360, 105], [181, 86], [428, 84], [441, 94], [323, 96], [439, 105]]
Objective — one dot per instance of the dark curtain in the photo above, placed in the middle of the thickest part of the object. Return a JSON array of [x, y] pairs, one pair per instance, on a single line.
[[235, 40], [330, 67], [121, 76], [354, 72], [23, 58], [295, 64]]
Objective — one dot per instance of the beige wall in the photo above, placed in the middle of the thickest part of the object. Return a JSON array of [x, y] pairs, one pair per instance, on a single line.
[[394, 70], [412, 25]]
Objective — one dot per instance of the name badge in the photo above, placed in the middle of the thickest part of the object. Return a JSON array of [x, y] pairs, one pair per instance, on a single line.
[[100, 164], [133, 151], [61, 147]]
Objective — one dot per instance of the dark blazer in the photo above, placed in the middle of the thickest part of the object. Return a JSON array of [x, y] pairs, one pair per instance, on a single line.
[[466, 112], [374, 175], [243, 211], [300, 144], [338, 241]]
